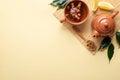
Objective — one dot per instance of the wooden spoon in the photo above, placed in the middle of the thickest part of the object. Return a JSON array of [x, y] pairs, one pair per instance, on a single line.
[[89, 43]]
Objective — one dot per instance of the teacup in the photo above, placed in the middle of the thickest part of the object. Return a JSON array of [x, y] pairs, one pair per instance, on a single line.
[[76, 12]]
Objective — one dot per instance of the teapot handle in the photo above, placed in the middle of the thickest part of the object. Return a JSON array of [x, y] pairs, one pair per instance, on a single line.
[[62, 20], [114, 14]]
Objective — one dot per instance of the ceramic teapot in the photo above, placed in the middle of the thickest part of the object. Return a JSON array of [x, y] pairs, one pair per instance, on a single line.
[[104, 24]]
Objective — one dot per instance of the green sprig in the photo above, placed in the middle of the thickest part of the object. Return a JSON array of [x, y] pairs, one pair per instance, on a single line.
[[59, 3]]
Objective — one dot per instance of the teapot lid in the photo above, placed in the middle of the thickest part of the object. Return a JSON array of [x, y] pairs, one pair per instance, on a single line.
[[104, 24]]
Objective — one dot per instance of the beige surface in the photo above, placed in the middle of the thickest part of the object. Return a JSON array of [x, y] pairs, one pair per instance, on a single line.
[[35, 46]]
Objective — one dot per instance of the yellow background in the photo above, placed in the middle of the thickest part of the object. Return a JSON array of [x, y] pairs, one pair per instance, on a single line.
[[35, 46]]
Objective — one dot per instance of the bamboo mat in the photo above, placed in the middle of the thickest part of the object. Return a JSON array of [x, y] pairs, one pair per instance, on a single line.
[[85, 29]]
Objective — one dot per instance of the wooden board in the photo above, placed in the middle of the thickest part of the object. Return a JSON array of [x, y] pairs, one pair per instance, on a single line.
[[84, 31]]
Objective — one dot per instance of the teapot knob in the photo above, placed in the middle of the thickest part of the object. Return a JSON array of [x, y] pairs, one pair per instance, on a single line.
[[106, 25]]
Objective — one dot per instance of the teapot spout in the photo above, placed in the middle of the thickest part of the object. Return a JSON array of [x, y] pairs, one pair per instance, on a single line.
[[114, 14], [96, 34]]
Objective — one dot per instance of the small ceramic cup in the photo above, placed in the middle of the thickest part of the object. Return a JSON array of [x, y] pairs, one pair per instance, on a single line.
[[76, 12]]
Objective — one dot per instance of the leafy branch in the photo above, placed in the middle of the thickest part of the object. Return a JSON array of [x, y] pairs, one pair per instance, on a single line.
[[59, 3], [106, 42]]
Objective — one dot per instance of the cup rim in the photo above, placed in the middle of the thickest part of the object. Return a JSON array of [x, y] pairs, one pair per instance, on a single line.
[[77, 23]]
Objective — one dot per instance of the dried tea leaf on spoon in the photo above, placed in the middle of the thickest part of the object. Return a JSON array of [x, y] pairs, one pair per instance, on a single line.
[[105, 42], [118, 38]]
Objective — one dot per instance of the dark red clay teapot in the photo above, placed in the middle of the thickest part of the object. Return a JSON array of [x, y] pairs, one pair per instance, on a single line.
[[104, 24]]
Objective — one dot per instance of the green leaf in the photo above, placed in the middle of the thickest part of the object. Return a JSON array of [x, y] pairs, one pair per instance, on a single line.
[[55, 3], [105, 42], [110, 52], [118, 37], [59, 3], [62, 5]]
